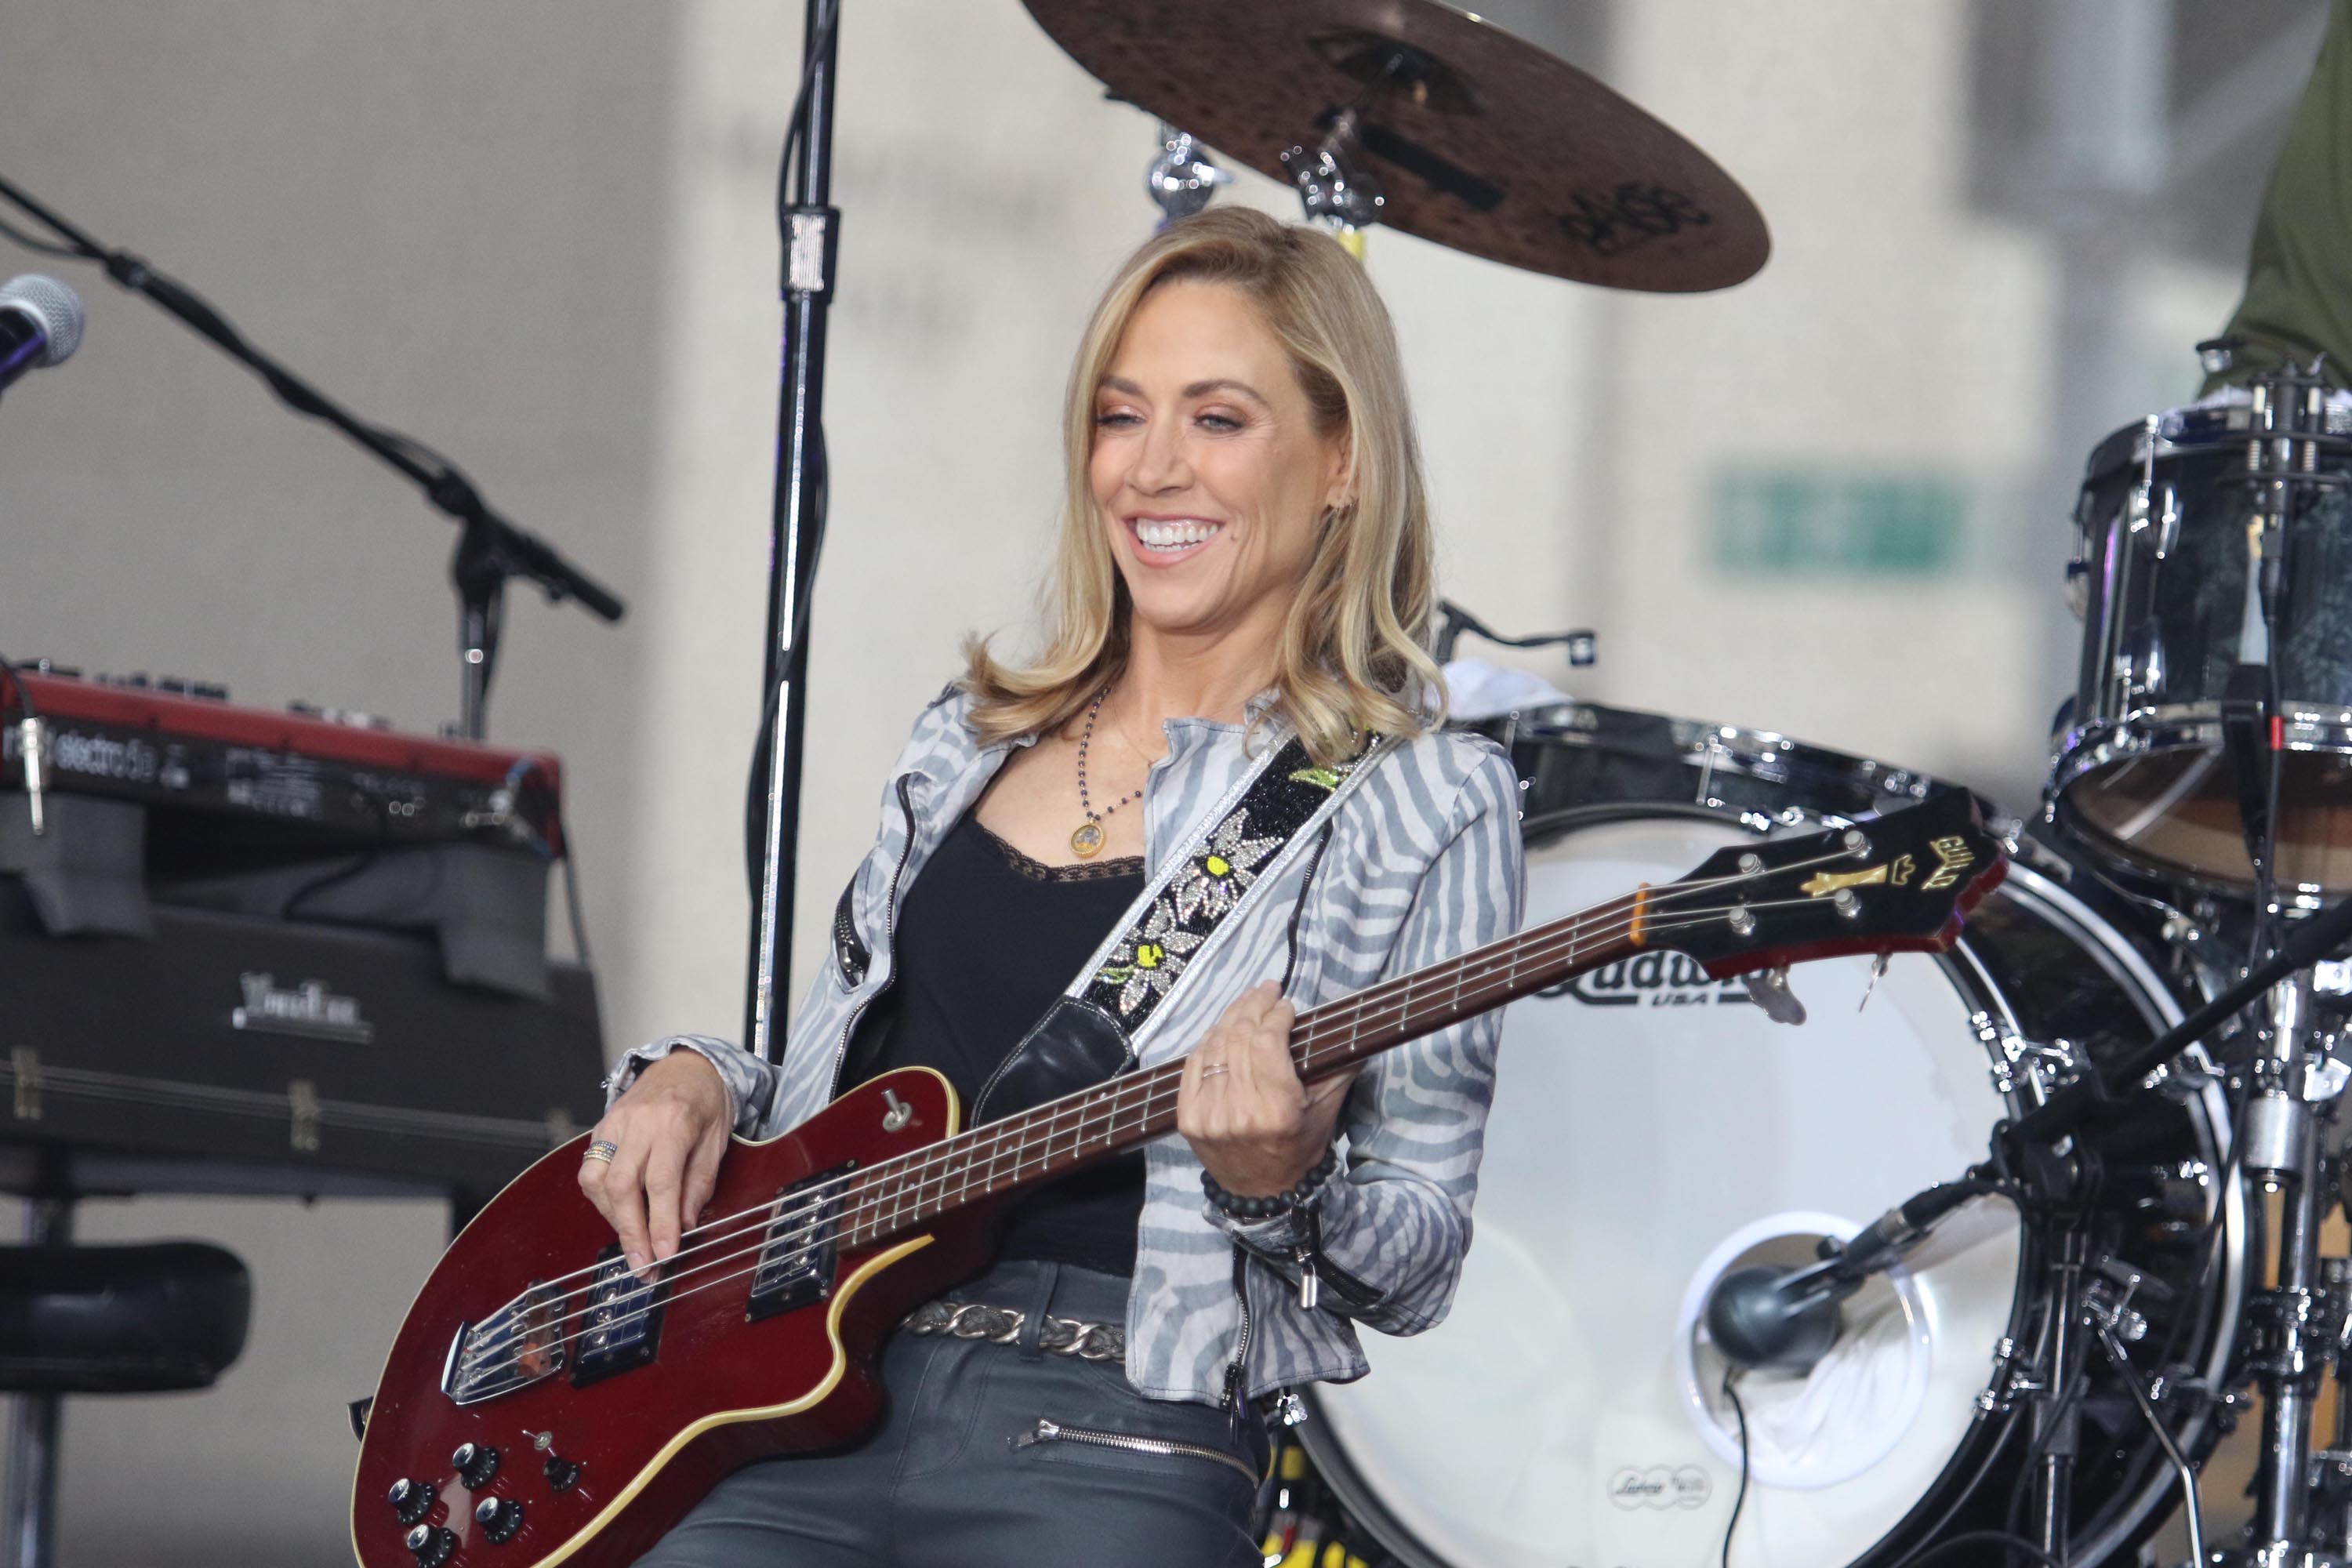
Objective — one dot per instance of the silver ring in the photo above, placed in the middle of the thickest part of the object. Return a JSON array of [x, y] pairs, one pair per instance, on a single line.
[[1214, 1069], [604, 1149]]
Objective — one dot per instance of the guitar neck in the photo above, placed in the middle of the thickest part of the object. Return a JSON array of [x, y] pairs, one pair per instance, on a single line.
[[1060, 1136]]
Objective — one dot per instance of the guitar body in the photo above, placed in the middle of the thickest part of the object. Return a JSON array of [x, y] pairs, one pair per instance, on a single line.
[[716, 1391]]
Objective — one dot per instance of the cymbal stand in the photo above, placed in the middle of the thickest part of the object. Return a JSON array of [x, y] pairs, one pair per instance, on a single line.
[[2291, 1343], [2290, 1090], [1332, 182]]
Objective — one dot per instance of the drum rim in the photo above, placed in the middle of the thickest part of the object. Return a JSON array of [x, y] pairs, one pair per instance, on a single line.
[[2166, 433], [2091, 748], [1770, 756], [2119, 956]]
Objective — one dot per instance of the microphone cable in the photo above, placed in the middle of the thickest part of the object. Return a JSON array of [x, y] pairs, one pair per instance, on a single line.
[[1739, 1499]]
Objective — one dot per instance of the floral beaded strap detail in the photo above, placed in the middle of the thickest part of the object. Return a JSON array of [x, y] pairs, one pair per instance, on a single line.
[[1210, 882]]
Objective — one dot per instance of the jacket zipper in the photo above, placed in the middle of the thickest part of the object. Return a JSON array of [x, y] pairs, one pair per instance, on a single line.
[[889, 934], [1233, 1369], [1055, 1432]]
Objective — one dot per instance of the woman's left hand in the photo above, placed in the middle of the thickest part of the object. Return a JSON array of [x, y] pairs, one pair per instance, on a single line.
[[1240, 1105]]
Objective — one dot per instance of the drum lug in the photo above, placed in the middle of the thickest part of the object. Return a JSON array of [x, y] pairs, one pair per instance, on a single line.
[[2008, 1384], [2018, 1062], [2324, 1076], [2107, 1304]]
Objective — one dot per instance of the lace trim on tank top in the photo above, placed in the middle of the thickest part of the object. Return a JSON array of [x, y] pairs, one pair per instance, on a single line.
[[1083, 871]]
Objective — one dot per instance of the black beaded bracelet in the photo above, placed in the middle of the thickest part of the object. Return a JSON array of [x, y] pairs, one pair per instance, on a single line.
[[1234, 1206]]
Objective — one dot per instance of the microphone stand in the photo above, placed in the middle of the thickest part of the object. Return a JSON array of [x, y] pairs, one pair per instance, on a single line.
[[812, 237], [491, 549]]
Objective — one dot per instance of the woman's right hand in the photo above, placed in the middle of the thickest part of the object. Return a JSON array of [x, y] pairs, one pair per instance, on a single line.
[[668, 1132]]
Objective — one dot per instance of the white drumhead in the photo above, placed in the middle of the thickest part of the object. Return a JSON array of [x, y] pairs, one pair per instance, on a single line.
[[1648, 1128]]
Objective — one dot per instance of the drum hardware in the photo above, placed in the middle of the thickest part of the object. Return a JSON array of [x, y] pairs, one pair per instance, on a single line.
[[1182, 178], [1426, 118], [2029, 1066], [1583, 645], [2113, 1323]]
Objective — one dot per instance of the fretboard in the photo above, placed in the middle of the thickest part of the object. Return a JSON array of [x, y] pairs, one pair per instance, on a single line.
[[1058, 1137]]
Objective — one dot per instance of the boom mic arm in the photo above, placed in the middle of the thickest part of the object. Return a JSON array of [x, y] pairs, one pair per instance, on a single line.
[[1788, 1319]]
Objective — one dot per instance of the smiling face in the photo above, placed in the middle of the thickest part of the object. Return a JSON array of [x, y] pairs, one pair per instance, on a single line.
[[1209, 478]]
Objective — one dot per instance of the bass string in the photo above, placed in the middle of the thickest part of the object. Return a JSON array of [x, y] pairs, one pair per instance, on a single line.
[[847, 1224], [1106, 1106], [1348, 1010], [1544, 945], [995, 1134], [930, 1167]]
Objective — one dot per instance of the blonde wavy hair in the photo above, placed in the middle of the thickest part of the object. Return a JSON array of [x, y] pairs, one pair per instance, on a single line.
[[1352, 660]]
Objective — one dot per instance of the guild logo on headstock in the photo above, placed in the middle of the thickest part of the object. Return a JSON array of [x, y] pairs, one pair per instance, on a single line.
[[1954, 857], [1897, 871]]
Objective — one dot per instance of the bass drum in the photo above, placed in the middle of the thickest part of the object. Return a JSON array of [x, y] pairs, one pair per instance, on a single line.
[[1653, 1130]]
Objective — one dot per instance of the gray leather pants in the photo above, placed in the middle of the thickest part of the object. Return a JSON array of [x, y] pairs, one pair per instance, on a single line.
[[961, 1473]]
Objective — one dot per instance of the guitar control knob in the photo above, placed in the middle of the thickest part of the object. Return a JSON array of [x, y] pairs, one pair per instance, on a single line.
[[499, 1518], [411, 1500], [561, 1473], [475, 1463], [432, 1544]]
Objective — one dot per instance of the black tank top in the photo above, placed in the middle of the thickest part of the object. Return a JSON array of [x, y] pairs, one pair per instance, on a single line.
[[987, 938]]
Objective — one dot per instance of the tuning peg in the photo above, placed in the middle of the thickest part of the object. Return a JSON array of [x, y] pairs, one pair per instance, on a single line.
[[1878, 968], [1769, 989]]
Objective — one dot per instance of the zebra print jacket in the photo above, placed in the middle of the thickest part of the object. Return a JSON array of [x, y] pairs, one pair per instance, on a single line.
[[1420, 861]]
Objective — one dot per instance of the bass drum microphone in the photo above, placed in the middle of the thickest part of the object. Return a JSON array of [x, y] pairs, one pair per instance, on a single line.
[[1771, 1315], [40, 325]]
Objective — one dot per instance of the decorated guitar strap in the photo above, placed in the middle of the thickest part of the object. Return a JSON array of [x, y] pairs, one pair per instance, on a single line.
[[1088, 1036]]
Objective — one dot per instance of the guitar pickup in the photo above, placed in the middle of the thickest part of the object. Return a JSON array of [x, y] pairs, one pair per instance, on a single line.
[[619, 1327], [797, 1251]]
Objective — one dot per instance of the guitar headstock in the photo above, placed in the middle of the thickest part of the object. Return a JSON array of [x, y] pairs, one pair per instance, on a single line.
[[1898, 883]]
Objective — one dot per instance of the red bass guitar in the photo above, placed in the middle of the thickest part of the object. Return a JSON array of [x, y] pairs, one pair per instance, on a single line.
[[543, 1405]]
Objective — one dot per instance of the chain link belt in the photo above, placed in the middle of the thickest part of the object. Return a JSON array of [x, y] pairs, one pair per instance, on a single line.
[[1002, 1326]]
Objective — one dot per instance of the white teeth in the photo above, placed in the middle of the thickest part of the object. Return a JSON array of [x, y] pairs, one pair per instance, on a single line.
[[1173, 535]]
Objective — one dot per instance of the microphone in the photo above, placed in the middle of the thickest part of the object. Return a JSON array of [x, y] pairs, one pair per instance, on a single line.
[[40, 324], [1772, 1315]]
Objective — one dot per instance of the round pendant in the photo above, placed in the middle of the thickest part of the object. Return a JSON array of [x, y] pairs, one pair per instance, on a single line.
[[1087, 840]]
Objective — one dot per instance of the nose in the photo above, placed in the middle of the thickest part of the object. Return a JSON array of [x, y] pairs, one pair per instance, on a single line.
[[1161, 464]]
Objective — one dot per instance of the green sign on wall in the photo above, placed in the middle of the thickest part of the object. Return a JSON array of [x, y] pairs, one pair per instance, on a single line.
[[1822, 522]]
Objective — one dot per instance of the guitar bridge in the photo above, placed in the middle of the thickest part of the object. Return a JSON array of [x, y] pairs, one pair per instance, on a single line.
[[797, 1253], [520, 1345]]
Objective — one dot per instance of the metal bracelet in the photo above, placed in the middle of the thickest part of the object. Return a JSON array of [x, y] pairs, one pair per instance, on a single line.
[[1002, 1326]]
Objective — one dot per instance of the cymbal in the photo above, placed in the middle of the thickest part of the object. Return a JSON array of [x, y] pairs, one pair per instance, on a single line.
[[1480, 141]]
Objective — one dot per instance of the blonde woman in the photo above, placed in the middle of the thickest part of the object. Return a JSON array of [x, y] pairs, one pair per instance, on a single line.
[[1245, 559]]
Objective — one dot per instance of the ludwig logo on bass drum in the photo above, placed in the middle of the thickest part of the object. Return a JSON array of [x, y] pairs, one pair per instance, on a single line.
[[1660, 1487], [1653, 980]]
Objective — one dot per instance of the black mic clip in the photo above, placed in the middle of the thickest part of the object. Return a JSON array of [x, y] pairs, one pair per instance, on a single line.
[[1768, 1315]]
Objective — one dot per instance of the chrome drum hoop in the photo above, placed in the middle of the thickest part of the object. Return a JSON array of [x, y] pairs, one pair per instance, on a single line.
[[2036, 939], [2159, 578], [1589, 761]]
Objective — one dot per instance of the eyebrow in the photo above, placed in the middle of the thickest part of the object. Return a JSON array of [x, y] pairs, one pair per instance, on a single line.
[[1197, 389]]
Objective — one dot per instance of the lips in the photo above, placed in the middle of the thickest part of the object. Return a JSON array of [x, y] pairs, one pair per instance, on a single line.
[[1165, 541]]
